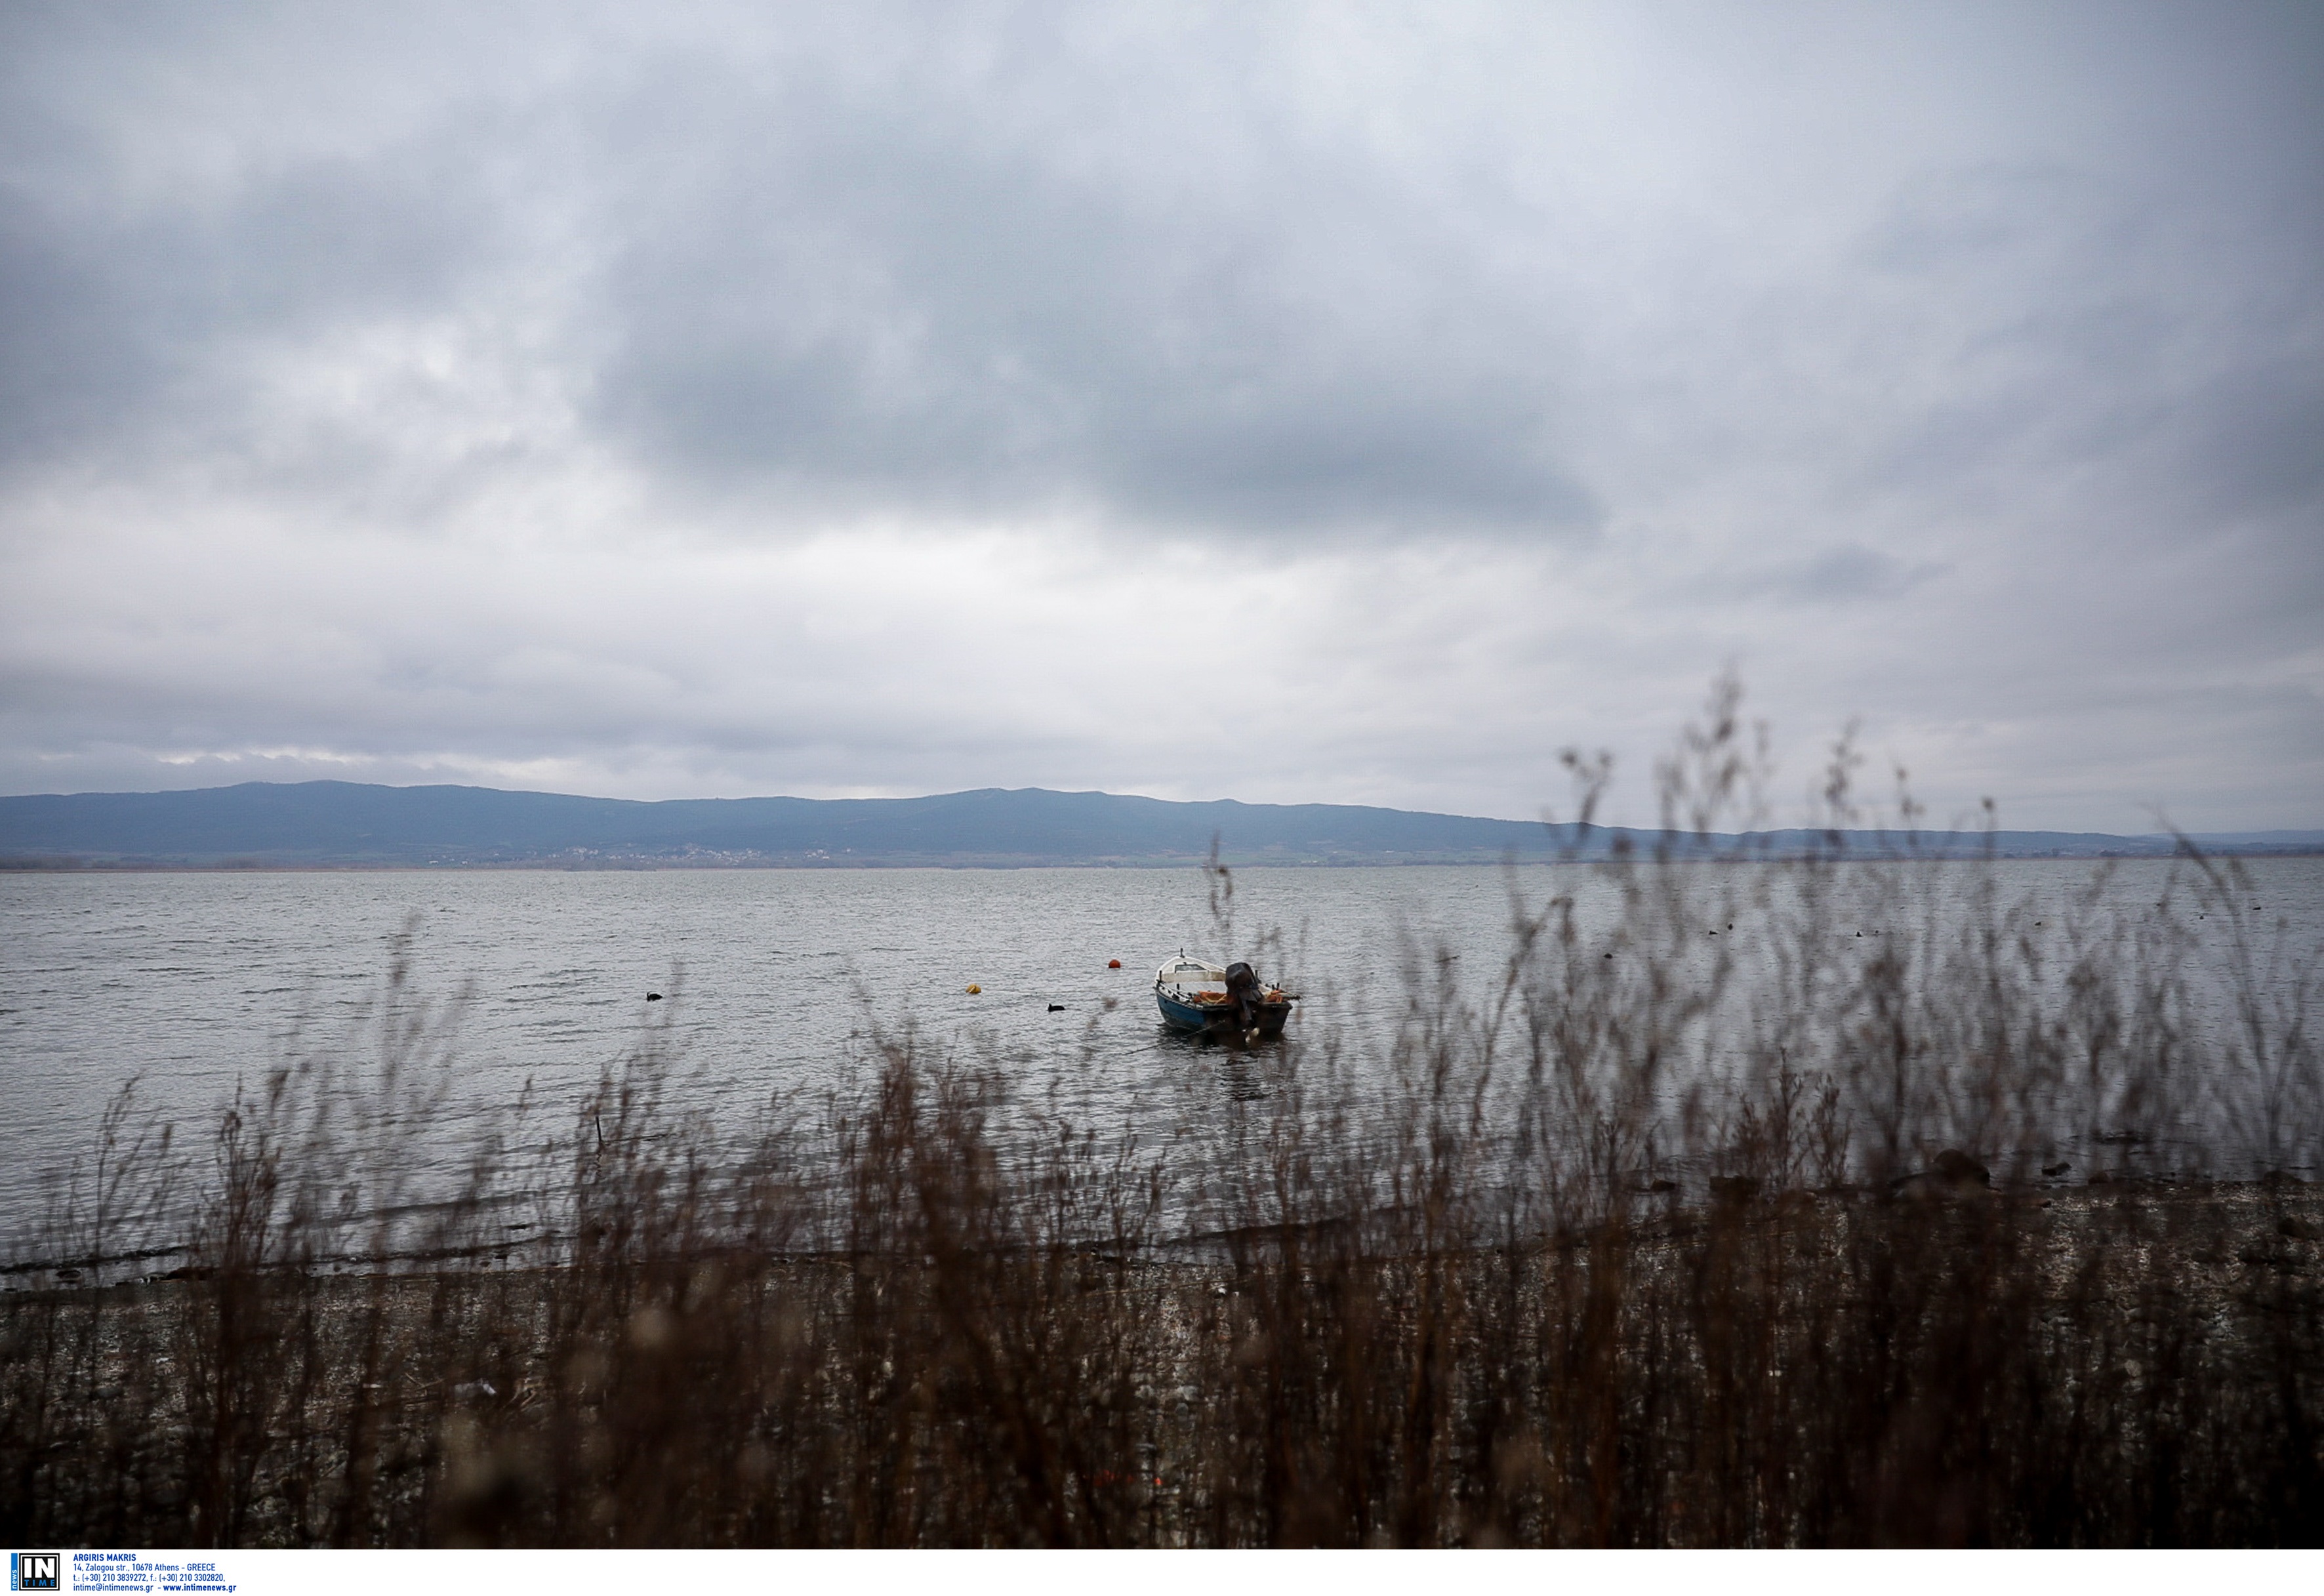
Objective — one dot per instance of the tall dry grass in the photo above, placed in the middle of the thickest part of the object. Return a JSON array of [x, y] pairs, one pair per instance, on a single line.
[[1661, 1234]]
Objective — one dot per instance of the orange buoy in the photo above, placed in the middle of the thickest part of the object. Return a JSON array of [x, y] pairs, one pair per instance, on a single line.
[[974, 989], [1113, 964]]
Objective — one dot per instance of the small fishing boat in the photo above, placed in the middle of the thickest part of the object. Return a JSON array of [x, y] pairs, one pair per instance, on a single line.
[[1210, 1001]]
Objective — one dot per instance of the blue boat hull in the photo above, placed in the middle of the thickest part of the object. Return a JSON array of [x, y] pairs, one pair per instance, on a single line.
[[1219, 1019]]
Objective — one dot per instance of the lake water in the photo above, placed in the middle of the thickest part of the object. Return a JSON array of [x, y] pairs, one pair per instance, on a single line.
[[191, 981]]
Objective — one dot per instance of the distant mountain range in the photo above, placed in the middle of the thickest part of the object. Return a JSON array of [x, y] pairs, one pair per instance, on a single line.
[[342, 823]]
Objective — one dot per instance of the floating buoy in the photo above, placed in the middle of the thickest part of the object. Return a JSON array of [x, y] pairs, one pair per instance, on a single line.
[[974, 989], [1113, 964]]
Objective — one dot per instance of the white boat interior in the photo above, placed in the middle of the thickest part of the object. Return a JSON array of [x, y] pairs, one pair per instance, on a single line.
[[1191, 975]]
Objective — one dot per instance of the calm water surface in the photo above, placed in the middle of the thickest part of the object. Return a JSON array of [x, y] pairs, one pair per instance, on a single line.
[[189, 982]]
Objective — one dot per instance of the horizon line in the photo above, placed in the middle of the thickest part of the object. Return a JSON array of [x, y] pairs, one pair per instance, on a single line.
[[1544, 820]]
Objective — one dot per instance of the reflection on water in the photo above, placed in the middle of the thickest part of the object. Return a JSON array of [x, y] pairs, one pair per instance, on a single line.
[[1241, 1076]]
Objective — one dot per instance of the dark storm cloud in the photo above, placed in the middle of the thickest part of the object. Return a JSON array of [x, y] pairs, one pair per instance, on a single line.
[[2079, 328], [1007, 261], [132, 335], [834, 300], [890, 297]]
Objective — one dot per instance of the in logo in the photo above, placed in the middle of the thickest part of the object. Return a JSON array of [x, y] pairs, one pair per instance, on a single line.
[[33, 1571]]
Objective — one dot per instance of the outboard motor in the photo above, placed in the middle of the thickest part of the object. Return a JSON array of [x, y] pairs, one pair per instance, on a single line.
[[1242, 991]]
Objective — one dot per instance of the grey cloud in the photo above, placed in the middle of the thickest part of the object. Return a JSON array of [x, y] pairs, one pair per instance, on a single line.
[[817, 299], [1845, 574], [132, 338], [1957, 368], [2254, 442], [810, 285], [882, 299]]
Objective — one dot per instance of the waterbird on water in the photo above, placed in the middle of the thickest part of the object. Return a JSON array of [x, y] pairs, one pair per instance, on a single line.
[[653, 997]]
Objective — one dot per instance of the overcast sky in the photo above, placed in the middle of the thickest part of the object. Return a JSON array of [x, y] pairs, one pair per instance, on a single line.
[[1348, 404]]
